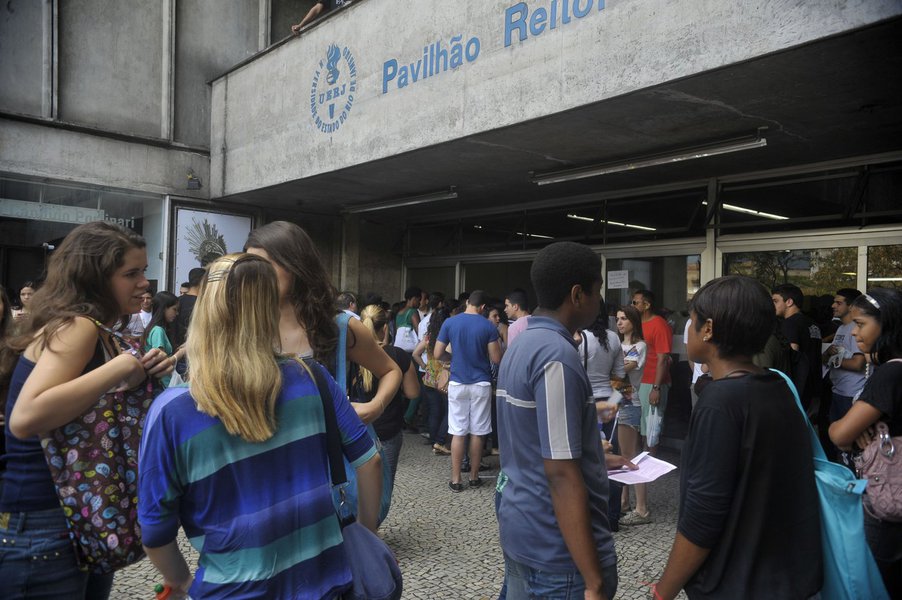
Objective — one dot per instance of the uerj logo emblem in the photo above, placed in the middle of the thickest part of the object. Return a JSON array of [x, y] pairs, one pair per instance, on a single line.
[[332, 92]]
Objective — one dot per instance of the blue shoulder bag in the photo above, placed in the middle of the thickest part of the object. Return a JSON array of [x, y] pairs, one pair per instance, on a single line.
[[850, 572]]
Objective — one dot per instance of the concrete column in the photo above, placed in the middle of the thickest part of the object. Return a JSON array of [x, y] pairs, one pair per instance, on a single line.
[[709, 257], [167, 71], [263, 12], [49, 61], [350, 253]]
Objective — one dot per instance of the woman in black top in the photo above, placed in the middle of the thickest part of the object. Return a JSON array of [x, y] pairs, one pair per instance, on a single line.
[[747, 451], [364, 384], [877, 316]]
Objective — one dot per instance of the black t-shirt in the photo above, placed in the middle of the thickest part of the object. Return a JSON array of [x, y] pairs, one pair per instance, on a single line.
[[747, 454], [390, 422], [883, 391], [801, 330], [186, 307]]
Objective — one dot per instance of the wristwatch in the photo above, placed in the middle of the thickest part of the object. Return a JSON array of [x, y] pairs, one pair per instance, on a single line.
[[656, 387]]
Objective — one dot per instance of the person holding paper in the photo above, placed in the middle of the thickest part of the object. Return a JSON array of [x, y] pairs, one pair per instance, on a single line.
[[747, 451], [552, 513]]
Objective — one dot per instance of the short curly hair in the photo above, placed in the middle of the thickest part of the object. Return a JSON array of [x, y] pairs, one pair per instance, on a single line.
[[560, 266]]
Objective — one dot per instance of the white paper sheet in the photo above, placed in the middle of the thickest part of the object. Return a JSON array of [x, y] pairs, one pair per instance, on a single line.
[[650, 468]]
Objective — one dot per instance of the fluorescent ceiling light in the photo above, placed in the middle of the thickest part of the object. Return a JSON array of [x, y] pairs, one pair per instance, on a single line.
[[591, 220], [449, 194], [884, 278], [751, 211], [726, 147], [850, 274], [535, 235]]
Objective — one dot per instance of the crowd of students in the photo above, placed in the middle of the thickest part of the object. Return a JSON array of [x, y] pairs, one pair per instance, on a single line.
[[234, 450]]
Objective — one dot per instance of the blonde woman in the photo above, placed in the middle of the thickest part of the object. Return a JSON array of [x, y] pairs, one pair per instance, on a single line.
[[389, 425], [240, 460]]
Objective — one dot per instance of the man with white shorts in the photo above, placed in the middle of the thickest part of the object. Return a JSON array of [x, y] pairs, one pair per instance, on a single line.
[[470, 342]]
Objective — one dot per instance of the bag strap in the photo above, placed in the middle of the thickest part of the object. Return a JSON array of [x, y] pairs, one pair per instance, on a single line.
[[816, 449], [341, 352], [585, 350], [333, 439]]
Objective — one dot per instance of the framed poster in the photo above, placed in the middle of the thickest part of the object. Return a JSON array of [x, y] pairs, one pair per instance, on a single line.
[[202, 236]]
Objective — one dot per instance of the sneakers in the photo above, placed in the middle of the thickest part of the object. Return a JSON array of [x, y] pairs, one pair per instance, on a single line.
[[456, 487], [475, 483], [634, 518], [441, 450]]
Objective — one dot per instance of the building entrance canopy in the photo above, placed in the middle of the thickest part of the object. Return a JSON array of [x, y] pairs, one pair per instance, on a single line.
[[372, 106]]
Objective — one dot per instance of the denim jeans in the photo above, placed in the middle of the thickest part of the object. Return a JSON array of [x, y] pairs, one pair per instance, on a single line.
[[438, 414], [37, 560], [410, 415], [522, 582], [391, 450]]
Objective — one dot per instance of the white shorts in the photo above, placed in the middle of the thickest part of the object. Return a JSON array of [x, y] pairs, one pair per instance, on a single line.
[[469, 409]]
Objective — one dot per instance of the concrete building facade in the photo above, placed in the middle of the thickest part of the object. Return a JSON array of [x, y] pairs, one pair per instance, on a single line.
[[443, 144]]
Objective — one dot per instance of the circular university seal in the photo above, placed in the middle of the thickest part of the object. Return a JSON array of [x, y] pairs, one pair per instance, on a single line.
[[332, 92]]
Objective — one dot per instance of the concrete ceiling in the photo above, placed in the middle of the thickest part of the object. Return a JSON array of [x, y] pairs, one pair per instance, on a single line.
[[836, 98]]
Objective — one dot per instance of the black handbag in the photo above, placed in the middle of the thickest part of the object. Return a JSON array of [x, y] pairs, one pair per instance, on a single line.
[[374, 568]]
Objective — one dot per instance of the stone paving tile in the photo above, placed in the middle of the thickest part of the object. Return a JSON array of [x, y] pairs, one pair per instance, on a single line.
[[447, 543]]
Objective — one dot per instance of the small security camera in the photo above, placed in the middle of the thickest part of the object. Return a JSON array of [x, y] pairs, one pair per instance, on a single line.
[[48, 246]]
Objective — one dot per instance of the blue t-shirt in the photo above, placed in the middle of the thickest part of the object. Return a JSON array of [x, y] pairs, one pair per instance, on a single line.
[[260, 514], [469, 336], [546, 411]]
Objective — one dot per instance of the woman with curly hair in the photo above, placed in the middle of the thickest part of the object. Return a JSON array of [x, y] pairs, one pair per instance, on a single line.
[[308, 315], [68, 357]]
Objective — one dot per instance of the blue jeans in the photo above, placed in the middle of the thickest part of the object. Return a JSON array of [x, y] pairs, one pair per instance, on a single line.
[[391, 450], [438, 414], [522, 582], [37, 560]]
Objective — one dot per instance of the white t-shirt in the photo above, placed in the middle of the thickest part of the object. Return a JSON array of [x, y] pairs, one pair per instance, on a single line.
[[635, 352], [845, 382], [601, 363], [422, 328]]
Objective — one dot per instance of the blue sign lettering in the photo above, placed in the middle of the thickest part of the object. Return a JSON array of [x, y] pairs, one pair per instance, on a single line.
[[437, 58], [520, 23]]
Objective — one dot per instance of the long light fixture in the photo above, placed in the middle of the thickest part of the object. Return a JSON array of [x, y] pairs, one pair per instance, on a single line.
[[449, 194], [735, 145], [618, 223], [535, 235], [750, 211], [884, 278]]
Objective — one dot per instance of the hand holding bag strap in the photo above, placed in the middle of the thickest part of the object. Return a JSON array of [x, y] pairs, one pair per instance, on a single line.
[[333, 438]]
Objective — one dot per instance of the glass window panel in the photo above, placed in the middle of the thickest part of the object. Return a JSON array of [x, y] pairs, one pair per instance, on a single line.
[[673, 279], [433, 279], [885, 266], [497, 279], [817, 272]]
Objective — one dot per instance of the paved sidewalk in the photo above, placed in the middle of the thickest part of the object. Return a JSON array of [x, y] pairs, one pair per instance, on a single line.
[[447, 543]]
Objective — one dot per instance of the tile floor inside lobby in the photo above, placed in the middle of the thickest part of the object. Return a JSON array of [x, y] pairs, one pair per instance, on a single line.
[[447, 543]]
